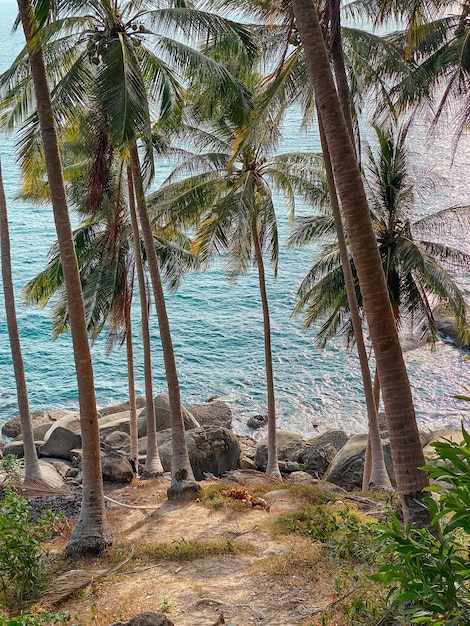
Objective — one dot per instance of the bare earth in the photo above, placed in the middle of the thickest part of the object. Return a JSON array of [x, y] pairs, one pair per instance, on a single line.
[[241, 586]]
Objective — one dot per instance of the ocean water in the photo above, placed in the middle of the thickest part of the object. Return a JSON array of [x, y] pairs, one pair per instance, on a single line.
[[217, 327]]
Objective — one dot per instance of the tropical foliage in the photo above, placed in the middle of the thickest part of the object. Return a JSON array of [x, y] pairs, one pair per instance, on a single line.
[[418, 265]]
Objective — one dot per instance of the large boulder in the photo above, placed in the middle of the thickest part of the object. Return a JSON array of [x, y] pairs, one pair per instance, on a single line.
[[12, 428], [212, 449], [215, 413], [65, 434], [447, 326], [162, 416], [51, 479], [318, 452], [119, 408], [289, 446], [116, 469], [446, 435], [347, 467]]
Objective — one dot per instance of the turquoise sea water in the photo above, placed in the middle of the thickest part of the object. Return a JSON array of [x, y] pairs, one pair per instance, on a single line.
[[217, 327]]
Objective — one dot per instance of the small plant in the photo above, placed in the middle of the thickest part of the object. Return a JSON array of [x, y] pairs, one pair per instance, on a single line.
[[11, 469], [21, 565], [428, 569], [165, 605], [36, 617]]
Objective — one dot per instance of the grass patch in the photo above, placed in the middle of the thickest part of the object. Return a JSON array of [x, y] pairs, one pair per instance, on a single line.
[[188, 550], [302, 560], [346, 533]]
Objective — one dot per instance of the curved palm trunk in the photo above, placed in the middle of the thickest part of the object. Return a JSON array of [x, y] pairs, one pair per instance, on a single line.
[[91, 533], [406, 447], [375, 473], [376, 476], [337, 55], [182, 477], [273, 464], [131, 386], [153, 464], [32, 469]]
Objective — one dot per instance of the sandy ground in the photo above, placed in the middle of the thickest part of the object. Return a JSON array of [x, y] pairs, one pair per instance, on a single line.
[[195, 593]]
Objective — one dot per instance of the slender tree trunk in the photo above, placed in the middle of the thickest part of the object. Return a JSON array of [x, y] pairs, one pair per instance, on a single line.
[[336, 49], [405, 443], [153, 464], [182, 477], [131, 386], [32, 468], [378, 478], [374, 462], [368, 460], [91, 533], [273, 464]]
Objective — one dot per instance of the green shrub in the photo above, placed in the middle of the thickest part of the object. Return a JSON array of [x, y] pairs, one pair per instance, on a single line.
[[341, 530], [35, 617], [428, 568], [21, 565]]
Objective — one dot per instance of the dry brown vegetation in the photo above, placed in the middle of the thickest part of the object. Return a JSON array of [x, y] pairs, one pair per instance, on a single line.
[[219, 555]]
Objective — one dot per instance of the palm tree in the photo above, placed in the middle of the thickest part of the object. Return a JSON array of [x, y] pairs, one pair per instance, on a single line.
[[226, 195], [406, 447], [32, 468], [416, 268], [105, 60], [91, 532]]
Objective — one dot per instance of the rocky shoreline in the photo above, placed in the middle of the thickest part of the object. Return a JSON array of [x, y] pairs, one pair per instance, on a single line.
[[214, 449]]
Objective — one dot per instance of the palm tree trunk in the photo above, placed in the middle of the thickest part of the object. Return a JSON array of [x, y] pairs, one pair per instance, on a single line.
[[91, 533], [32, 469], [133, 431], [182, 477], [273, 464], [375, 473], [377, 478], [337, 54], [405, 443], [153, 465]]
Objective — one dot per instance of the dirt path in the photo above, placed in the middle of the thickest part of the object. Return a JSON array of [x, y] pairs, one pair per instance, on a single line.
[[240, 585]]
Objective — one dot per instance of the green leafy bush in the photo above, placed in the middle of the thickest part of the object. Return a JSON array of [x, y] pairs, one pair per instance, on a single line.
[[36, 617], [21, 565], [429, 570]]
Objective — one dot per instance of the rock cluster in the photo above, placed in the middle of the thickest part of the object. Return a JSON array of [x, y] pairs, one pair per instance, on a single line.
[[214, 450]]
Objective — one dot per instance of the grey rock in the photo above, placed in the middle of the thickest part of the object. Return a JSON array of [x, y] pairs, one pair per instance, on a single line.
[[65, 434], [162, 416], [119, 408], [247, 463], [117, 439], [318, 452], [211, 449], [215, 413], [447, 326], [288, 447], [62, 437], [248, 446], [116, 469], [257, 421], [347, 468], [286, 467], [15, 447], [12, 428]]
